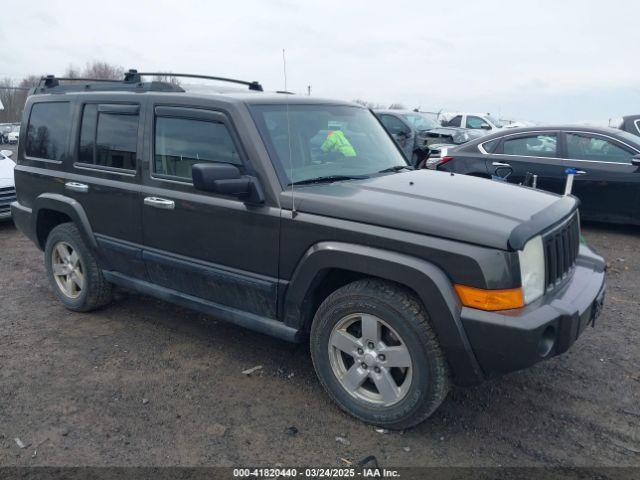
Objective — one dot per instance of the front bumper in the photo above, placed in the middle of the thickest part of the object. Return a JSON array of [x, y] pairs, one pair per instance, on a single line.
[[515, 339]]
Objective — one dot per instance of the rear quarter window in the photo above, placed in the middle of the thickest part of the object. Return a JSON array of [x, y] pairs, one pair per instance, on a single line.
[[48, 130]]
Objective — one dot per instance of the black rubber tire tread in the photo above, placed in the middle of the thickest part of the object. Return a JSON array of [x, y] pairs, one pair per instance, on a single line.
[[372, 292], [97, 292]]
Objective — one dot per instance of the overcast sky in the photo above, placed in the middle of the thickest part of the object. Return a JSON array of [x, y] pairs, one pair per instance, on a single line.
[[547, 61]]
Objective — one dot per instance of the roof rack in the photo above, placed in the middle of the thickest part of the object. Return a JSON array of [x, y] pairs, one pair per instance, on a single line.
[[135, 76], [132, 82]]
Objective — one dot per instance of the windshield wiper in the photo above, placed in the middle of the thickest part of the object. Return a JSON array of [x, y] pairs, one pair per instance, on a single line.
[[396, 168], [328, 179]]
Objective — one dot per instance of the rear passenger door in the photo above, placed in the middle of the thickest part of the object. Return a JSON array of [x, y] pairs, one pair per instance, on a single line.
[[537, 153], [216, 248], [105, 180]]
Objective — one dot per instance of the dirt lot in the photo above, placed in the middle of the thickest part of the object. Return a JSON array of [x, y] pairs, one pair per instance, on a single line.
[[143, 382]]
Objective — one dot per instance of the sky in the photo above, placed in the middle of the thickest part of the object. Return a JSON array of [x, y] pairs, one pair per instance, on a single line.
[[539, 60]]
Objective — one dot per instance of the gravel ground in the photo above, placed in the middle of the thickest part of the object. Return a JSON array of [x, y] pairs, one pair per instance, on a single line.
[[145, 383]]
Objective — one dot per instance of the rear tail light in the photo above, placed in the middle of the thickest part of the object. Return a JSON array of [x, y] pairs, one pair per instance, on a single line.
[[443, 160]]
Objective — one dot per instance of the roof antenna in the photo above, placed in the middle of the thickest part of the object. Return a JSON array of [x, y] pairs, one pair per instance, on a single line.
[[293, 198]]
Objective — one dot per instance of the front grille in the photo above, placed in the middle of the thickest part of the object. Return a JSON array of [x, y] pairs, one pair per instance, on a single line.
[[561, 250]]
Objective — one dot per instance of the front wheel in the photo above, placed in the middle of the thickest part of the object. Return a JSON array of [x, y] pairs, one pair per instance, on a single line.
[[377, 356]]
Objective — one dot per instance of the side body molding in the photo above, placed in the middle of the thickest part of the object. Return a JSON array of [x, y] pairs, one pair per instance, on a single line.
[[68, 206], [428, 281]]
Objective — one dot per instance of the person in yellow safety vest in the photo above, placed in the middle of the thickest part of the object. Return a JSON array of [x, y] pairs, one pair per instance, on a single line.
[[337, 142]]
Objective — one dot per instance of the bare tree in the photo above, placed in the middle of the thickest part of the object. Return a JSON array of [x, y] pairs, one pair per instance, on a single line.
[[103, 71], [13, 95], [167, 79], [72, 72], [396, 106], [30, 81]]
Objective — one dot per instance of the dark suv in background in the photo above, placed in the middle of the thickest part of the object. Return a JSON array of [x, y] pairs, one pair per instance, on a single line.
[[419, 136], [300, 218]]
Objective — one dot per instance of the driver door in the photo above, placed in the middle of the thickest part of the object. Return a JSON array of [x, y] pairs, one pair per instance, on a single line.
[[609, 189], [213, 247]]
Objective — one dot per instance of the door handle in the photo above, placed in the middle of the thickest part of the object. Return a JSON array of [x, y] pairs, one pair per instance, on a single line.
[[162, 203], [76, 187]]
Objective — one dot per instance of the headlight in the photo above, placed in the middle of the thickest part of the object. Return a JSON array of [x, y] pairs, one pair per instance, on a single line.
[[532, 269]]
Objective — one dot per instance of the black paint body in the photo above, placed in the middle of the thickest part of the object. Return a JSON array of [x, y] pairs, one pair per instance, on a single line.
[[267, 267]]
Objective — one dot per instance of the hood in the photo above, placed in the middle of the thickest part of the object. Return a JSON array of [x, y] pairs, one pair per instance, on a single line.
[[6, 172], [457, 207]]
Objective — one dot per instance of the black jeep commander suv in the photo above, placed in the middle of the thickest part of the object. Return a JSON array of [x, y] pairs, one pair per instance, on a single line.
[[299, 217]]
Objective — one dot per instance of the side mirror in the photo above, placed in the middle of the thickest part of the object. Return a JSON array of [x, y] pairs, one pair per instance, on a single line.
[[6, 153], [635, 160], [484, 126], [225, 179]]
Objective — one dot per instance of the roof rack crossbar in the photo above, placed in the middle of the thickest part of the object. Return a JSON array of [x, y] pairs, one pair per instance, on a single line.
[[134, 76]]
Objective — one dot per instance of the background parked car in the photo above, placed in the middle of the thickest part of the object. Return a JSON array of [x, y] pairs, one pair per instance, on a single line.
[[631, 124], [7, 184], [610, 188], [5, 128], [13, 135], [415, 132], [472, 121]]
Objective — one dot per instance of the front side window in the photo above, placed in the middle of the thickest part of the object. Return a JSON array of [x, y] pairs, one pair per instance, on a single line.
[[48, 130], [395, 126], [180, 143], [306, 142], [477, 123], [583, 146], [108, 139], [540, 145]]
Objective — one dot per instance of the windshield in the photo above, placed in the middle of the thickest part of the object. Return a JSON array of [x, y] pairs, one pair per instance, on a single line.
[[420, 121], [495, 121], [316, 141]]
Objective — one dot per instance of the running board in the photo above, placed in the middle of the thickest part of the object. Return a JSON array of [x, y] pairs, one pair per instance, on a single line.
[[228, 314]]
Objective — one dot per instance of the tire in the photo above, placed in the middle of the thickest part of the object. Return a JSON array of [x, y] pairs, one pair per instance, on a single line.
[[88, 289], [404, 320]]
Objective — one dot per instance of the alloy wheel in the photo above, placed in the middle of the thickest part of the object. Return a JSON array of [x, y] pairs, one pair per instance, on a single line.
[[67, 268], [370, 359]]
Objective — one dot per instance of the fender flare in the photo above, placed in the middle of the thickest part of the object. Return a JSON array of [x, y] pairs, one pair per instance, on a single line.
[[68, 206], [429, 282]]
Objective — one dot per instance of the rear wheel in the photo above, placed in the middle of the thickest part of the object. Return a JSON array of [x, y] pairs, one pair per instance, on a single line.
[[377, 355], [73, 271]]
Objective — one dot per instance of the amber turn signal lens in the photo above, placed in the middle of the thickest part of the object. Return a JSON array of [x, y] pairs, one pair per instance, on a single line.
[[490, 300]]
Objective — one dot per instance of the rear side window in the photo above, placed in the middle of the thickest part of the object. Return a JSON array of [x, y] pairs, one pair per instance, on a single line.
[[541, 145], [108, 139], [490, 146], [180, 143], [48, 130]]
